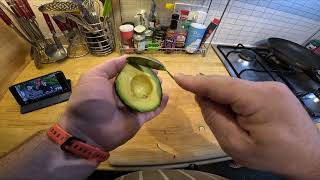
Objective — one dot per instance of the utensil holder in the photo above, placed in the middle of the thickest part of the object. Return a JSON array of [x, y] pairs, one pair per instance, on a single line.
[[77, 46], [100, 40]]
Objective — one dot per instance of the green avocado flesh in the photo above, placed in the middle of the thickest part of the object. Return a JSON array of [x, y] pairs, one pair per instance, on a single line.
[[139, 88]]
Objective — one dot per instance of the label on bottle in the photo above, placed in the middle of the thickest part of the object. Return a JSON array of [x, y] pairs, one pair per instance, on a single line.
[[181, 38], [170, 41], [140, 46]]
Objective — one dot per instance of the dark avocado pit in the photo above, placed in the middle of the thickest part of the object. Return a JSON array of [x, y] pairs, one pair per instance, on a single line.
[[139, 88]]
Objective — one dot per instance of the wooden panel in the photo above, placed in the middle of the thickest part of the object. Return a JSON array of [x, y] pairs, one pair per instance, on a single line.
[[14, 53]]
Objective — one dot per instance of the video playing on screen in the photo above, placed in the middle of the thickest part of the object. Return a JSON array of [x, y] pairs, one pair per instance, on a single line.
[[39, 88]]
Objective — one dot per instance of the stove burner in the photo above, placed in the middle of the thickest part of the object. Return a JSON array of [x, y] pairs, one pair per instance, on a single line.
[[258, 64], [247, 55]]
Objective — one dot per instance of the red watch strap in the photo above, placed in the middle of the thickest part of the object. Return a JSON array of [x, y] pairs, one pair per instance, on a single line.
[[75, 145], [58, 135]]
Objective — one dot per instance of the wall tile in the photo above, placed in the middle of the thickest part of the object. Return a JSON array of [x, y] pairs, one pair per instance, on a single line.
[[259, 19]]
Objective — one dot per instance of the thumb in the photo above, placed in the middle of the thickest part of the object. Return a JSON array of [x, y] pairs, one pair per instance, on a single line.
[[222, 122], [111, 68]]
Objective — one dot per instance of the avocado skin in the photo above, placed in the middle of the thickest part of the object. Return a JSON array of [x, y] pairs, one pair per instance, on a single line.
[[117, 87]]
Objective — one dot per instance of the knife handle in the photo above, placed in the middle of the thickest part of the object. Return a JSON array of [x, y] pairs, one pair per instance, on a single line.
[[62, 26], [27, 4], [14, 9], [5, 18], [22, 9], [71, 23], [49, 23]]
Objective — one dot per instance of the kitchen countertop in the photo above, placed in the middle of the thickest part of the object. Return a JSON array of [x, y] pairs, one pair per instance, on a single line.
[[176, 138]]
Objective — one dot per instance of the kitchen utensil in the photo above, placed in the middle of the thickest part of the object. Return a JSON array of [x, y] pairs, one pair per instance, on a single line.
[[24, 17], [77, 45], [294, 54], [28, 23], [37, 57], [93, 7], [59, 7], [29, 7], [148, 62], [66, 8], [61, 25], [17, 19], [56, 51], [295, 57], [64, 18], [85, 11], [99, 41], [18, 14], [9, 22], [30, 20]]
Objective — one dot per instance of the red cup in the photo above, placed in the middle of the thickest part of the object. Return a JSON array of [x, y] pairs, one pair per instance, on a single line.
[[126, 32]]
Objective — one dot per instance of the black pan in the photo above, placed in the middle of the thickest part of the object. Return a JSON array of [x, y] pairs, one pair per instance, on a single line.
[[294, 54]]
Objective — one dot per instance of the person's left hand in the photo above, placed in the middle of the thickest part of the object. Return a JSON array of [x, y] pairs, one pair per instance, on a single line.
[[95, 113]]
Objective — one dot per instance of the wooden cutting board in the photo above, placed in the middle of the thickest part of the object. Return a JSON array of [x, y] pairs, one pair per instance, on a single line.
[[178, 135]]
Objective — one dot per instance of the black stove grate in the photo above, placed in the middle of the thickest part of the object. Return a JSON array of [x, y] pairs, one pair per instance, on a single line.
[[267, 64]]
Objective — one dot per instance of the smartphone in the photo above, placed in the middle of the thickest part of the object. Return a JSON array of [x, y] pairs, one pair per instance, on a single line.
[[41, 88]]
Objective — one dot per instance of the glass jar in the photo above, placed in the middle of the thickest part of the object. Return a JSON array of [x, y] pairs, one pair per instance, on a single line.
[[139, 42]]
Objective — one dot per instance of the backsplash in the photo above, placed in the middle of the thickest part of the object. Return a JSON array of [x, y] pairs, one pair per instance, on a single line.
[[249, 21], [245, 21]]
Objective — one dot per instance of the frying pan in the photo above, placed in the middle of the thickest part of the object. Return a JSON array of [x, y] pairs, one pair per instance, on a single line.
[[294, 54]]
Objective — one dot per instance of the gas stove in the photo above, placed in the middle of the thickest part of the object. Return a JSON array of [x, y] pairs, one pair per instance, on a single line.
[[256, 64]]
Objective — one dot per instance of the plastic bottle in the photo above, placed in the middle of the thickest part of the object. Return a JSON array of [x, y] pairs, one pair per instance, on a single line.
[[191, 18], [195, 35], [154, 21], [181, 30], [170, 40], [169, 7]]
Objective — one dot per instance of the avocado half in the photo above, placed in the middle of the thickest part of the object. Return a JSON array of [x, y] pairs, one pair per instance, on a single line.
[[139, 88]]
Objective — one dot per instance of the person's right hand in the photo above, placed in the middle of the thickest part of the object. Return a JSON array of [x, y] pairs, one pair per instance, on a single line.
[[261, 125]]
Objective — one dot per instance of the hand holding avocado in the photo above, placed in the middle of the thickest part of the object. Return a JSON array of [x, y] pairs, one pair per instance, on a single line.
[[138, 86], [95, 113]]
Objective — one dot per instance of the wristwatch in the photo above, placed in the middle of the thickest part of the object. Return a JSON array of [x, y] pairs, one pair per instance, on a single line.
[[76, 146]]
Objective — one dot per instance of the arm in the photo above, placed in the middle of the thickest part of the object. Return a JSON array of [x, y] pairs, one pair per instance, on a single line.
[[94, 114], [261, 125], [40, 158]]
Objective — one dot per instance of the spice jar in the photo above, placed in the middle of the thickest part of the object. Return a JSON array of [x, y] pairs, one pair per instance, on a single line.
[[139, 39]]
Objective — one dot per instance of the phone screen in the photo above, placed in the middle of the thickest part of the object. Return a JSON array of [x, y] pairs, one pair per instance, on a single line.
[[39, 88]]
